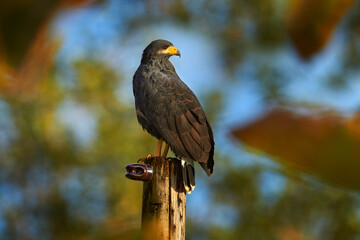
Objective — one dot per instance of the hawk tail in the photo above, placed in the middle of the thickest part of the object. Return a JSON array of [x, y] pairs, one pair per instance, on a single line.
[[188, 175]]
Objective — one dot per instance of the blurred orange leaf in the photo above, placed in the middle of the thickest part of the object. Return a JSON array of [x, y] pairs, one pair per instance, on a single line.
[[327, 146], [289, 232], [310, 23], [26, 50]]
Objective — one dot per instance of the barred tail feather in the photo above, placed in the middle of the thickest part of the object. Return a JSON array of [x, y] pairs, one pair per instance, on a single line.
[[188, 175]]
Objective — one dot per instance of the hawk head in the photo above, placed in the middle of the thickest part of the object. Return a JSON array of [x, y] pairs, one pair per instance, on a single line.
[[160, 49]]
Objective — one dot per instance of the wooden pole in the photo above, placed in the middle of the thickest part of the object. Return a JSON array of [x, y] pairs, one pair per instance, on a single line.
[[164, 202]]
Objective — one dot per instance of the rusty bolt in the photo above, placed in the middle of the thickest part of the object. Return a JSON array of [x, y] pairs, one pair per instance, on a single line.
[[139, 172]]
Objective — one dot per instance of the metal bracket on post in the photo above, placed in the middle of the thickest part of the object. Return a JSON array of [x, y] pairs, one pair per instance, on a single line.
[[139, 172]]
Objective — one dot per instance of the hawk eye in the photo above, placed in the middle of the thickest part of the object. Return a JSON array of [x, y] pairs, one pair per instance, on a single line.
[[165, 47]]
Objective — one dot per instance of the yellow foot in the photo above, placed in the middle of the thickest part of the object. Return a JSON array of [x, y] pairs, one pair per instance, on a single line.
[[146, 158]]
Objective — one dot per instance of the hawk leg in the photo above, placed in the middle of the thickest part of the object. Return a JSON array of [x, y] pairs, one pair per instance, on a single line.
[[166, 150], [158, 148], [158, 151]]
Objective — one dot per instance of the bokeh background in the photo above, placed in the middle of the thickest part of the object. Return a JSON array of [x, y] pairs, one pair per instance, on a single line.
[[279, 81]]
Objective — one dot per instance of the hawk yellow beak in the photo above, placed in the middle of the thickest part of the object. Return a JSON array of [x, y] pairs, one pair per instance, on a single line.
[[170, 50]]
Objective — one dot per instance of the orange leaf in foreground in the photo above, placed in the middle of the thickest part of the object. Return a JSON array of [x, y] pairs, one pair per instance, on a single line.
[[327, 146], [310, 23], [27, 53]]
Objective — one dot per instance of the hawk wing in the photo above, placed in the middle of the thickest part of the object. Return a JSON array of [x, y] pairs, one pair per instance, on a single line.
[[180, 119]]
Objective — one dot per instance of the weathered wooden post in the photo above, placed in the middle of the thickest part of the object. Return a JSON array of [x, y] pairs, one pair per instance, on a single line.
[[164, 198]]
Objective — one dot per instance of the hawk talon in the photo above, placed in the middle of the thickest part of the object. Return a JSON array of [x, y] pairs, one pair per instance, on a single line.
[[143, 159]]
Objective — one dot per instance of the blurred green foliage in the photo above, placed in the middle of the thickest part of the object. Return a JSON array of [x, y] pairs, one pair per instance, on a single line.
[[57, 187]]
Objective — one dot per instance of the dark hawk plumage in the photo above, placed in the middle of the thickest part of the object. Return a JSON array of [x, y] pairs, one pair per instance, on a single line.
[[168, 109]]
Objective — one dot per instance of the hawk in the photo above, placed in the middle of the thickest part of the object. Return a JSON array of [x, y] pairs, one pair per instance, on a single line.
[[168, 110]]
